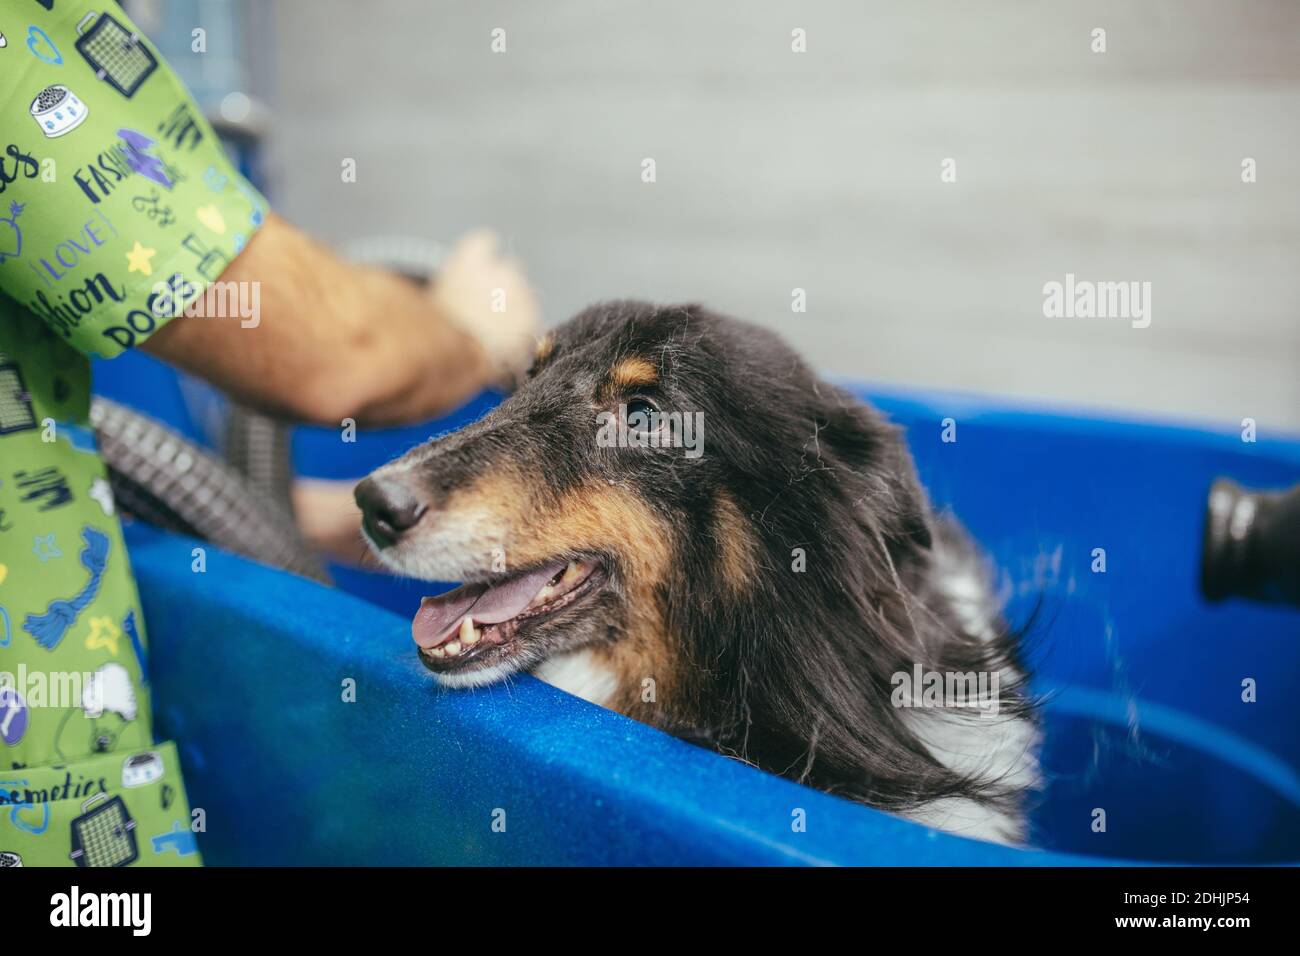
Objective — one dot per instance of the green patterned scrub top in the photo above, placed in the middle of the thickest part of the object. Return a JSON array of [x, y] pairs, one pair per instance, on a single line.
[[118, 207]]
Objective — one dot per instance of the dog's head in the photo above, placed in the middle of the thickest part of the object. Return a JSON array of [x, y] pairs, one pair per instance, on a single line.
[[742, 546], [646, 493]]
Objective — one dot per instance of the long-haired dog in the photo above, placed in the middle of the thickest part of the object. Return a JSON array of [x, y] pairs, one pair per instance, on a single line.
[[673, 517]]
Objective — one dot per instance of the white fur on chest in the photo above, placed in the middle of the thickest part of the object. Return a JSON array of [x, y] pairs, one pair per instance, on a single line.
[[997, 749], [994, 749], [580, 674]]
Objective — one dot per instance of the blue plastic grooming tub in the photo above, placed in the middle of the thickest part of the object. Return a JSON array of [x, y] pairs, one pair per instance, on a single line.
[[1145, 719]]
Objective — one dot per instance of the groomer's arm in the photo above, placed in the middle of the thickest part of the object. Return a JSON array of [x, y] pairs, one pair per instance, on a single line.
[[334, 340]]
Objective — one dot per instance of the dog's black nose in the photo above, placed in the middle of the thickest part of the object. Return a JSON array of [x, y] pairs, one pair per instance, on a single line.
[[388, 508]]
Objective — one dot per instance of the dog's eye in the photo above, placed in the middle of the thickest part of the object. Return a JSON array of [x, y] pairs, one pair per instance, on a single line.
[[642, 415]]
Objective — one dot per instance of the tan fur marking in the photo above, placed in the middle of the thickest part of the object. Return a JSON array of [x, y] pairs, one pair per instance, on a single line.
[[502, 492], [736, 545], [595, 518], [545, 347], [630, 373]]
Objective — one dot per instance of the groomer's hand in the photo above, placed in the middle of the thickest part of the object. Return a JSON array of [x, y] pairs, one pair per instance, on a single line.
[[486, 295], [482, 293], [335, 340]]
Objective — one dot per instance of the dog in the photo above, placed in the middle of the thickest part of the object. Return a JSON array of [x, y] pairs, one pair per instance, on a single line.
[[783, 594]]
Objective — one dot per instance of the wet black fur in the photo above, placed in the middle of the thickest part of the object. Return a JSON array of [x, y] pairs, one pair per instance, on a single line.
[[793, 674]]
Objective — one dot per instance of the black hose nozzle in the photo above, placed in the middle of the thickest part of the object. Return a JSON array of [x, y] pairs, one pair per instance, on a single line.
[[1251, 547]]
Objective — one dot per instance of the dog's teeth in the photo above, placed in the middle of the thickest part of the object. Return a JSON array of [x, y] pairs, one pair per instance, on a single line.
[[469, 634], [437, 652], [453, 648], [467, 631], [572, 570]]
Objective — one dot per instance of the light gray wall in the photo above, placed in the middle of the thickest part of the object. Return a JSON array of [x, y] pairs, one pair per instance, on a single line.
[[821, 170]]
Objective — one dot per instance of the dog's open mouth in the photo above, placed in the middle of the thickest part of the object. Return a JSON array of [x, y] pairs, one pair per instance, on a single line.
[[476, 623]]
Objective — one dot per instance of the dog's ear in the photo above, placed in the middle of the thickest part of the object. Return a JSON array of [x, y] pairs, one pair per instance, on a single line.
[[875, 449]]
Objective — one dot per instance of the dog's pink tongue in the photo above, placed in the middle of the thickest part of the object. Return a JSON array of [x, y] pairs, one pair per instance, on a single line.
[[439, 616]]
